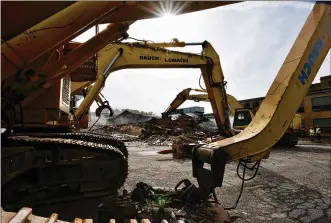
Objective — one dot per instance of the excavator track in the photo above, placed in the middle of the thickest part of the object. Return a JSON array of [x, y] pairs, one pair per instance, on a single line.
[[95, 137], [39, 169]]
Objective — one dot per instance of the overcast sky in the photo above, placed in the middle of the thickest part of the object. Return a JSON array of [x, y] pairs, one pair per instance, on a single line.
[[251, 38]]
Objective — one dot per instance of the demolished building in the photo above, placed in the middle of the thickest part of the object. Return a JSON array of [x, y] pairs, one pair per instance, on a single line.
[[128, 117]]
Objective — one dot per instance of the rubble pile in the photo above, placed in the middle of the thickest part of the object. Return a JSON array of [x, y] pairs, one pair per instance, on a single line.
[[171, 131], [128, 117], [125, 137], [209, 127], [130, 129], [176, 130], [157, 140], [123, 133], [175, 126]]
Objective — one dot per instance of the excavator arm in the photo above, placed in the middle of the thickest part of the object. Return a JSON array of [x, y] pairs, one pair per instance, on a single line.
[[27, 89], [185, 95], [135, 55], [29, 46], [100, 100], [279, 106], [178, 101], [20, 53], [102, 103]]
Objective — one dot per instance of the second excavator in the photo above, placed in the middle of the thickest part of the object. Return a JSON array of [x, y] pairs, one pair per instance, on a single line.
[[242, 116]]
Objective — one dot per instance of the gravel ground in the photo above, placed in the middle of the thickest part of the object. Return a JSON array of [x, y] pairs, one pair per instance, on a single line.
[[293, 185]]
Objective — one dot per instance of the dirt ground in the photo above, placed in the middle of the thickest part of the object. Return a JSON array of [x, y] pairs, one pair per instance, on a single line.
[[293, 185]]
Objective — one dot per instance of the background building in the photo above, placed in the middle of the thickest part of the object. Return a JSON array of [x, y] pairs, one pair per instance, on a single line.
[[315, 108], [194, 109]]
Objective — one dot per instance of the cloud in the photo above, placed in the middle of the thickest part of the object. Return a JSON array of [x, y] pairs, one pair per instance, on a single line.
[[251, 38]]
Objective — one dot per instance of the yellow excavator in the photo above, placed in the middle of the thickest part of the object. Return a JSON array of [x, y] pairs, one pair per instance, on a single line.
[[68, 150], [62, 168], [242, 116], [30, 65], [249, 146], [137, 55], [42, 161], [141, 55]]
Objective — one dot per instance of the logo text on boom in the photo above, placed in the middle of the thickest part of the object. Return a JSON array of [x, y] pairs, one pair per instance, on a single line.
[[310, 62]]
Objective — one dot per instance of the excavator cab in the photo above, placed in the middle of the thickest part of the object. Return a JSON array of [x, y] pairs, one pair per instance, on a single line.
[[242, 118]]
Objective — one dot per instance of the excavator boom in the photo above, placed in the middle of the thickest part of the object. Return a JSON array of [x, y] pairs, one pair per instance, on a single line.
[[20, 51], [184, 95], [280, 104], [51, 74], [135, 55], [24, 55]]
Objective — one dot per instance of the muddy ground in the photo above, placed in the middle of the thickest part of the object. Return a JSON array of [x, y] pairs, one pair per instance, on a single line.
[[293, 185]]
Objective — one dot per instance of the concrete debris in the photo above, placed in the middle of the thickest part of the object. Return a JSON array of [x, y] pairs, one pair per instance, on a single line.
[[128, 129], [128, 117], [297, 212], [125, 133], [125, 137], [190, 126], [156, 140], [193, 126], [181, 131]]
